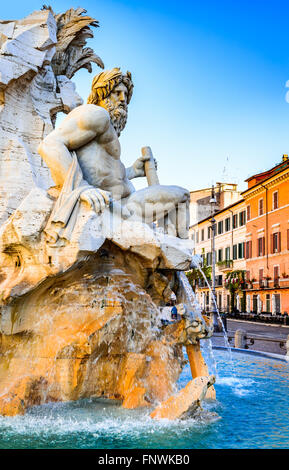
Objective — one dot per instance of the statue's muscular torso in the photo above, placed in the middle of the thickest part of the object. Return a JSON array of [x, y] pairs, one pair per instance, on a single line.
[[88, 130], [101, 165]]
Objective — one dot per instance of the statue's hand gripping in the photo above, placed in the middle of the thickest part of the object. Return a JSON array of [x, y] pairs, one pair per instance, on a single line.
[[97, 199], [139, 166]]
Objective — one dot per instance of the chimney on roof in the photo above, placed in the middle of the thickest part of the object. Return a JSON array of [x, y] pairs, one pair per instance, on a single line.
[[284, 157]]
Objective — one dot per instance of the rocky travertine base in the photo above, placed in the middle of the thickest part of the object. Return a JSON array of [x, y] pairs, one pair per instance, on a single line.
[[83, 334], [78, 308], [82, 320]]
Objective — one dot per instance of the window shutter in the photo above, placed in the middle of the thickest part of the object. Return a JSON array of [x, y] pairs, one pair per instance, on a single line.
[[263, 246], [275, 200], [279, 241], [248, 212], [250, 249], [260, 246], [261, 207], [272, 243]]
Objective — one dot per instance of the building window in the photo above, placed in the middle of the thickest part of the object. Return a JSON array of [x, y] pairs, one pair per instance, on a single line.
[[209, 259], [261, 206], [241, 250], [197, 237], [242, 218], [248, 249], [275, 200], [261, 275], [207, 300], [219, 280], [277, 299], [235, 247], [276, 276], [220, 227], [261, 246], [227, 253], [247, 275], [276, 242], [220, 302], [268, 308], [248, 212], [202, 235], [220, 255], [288, 239], [227, 224], [209, 232], [235, 221], [255, 303]]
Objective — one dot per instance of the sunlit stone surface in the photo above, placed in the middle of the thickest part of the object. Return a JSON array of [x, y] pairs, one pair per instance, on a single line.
[[84, 269]]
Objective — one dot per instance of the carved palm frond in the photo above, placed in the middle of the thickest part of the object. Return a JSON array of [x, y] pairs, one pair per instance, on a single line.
[[73, 29]]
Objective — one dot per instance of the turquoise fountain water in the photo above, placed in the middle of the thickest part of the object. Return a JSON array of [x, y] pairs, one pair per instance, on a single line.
[[253, 409], [226, 340]]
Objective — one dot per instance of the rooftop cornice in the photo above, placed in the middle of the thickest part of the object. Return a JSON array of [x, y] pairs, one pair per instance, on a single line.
[[271, 182]]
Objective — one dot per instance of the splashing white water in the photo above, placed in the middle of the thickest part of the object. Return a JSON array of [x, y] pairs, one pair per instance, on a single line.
[[194, 305], [191, 300], [219, 316]]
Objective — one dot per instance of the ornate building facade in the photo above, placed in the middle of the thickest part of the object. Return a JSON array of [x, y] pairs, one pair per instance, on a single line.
[[267, 240], [230, 230], [200, 208], [252, 242]]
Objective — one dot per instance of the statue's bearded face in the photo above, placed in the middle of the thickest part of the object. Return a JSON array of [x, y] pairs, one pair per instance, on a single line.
[[116, 105]]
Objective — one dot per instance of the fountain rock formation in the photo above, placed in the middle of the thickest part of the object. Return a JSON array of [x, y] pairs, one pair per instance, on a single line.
[[86, 261]]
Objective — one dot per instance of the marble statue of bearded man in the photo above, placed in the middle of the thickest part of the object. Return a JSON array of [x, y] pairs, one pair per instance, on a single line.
[[83, 155]]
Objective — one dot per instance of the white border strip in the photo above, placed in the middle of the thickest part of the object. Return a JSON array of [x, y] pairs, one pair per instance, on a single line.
[[279, 357]]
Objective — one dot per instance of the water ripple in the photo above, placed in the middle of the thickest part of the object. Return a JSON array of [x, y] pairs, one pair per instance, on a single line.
[[253, 406]]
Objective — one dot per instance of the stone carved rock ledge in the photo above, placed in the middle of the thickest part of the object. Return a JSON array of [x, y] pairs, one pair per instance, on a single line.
[[83, 319]]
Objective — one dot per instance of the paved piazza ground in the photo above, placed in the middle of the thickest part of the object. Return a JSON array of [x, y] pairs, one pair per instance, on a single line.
[[256, 329]]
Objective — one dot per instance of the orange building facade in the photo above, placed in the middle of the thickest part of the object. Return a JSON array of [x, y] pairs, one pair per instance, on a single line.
[[267, 240]]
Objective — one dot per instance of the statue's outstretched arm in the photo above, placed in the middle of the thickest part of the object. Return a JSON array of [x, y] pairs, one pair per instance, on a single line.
[[81, 126]]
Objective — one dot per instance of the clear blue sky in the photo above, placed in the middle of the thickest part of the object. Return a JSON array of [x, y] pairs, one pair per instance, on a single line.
[[210, 81]]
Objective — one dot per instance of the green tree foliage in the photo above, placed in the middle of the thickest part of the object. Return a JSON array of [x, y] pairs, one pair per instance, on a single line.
[[195, 276]]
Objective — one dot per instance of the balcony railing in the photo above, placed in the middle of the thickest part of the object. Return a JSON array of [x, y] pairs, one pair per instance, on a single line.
[[202, 283], [218, 282], [225, 265], [276, 282], [264, 283]]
